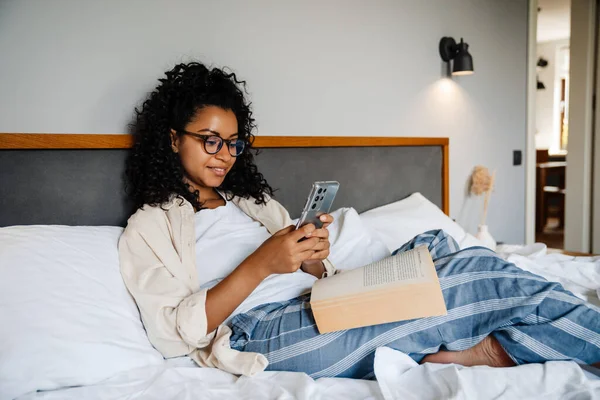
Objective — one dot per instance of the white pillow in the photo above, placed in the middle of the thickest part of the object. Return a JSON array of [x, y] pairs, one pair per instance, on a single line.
[[353, 244], [66, 317], [397, 223]]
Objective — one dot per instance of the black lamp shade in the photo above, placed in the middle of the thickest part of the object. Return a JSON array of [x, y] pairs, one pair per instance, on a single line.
[[540, 85], [463, 62], [458, 53]]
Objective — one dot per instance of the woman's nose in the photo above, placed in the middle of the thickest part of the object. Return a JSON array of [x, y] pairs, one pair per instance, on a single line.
[[223, 153]]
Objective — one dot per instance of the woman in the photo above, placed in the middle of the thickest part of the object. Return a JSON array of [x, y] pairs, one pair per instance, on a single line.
[[219, 273]]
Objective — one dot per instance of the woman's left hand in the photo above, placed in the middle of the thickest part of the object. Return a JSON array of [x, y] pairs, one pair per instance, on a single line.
[[314, 265], [327, 220]]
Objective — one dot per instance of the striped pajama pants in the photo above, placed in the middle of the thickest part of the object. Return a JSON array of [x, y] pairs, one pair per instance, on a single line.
[[533, 319]]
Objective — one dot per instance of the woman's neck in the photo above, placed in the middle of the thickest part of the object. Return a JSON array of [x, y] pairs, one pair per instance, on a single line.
[[210, 195], [210, 198]]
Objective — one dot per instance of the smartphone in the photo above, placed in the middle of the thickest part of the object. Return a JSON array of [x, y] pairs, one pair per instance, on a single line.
[[319, 202]]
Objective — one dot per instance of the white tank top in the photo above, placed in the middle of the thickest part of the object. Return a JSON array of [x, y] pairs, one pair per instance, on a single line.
[[225, 236]]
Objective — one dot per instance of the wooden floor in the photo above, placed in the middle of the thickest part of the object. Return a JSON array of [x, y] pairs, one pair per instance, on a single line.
[[554, 239], [552, 236]]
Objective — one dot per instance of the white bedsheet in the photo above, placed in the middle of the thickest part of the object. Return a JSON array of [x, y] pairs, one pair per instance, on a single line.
[[398, 377], [401, 378], [180, 379], [580, 275]]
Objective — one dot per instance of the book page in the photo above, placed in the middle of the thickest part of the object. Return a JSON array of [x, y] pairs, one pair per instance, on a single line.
[[393, 269], [413, 266]]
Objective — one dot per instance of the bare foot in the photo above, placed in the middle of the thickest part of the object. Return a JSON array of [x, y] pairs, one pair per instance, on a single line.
[[487, 352]]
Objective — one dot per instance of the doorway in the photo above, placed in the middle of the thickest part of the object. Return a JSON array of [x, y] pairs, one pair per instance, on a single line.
[[575, 134], [551, 119]]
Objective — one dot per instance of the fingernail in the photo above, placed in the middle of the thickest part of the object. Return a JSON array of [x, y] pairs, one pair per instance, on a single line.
[[323, 218]]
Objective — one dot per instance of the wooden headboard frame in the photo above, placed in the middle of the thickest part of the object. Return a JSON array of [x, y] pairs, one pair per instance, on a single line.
[[121, 141]]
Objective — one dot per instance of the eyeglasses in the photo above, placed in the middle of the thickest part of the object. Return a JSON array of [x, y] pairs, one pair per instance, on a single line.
[[214, 143]]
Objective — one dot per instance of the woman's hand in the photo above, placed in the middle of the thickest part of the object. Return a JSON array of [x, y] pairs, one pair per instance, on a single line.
[[321, 249], [314, 265], [327, 220], [283, 252]]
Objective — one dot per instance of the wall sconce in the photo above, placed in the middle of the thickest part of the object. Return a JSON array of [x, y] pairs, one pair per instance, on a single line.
[[542, 63], [463, 62]]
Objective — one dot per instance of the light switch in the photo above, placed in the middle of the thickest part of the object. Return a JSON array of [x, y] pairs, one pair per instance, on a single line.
[[517, 157]]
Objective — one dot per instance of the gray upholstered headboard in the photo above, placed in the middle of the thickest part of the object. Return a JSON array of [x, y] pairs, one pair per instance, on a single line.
[[78, 179]]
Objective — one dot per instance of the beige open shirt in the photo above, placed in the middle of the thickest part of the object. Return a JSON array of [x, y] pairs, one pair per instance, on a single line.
[[158, 264]]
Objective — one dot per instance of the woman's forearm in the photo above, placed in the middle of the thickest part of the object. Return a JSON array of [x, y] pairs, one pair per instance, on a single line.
[[227, 295]]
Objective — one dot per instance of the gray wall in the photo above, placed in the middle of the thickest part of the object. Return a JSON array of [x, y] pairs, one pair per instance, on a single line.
[[335, 67]]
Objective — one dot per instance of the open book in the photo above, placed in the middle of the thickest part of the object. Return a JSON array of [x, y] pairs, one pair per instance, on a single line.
[[397, 288]]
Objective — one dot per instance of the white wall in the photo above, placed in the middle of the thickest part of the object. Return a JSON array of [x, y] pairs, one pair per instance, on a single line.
[[336, 67], [547, 100]]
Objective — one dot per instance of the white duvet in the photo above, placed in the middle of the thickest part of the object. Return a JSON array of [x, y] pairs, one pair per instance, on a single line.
[[398, 377]]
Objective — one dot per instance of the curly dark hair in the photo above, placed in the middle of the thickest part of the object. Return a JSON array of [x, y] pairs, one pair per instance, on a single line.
[[154, 173]]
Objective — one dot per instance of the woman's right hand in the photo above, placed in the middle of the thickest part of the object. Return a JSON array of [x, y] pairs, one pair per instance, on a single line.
[[282, 253]]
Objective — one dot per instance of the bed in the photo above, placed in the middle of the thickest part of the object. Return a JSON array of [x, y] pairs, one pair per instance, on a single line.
[[70, 330]]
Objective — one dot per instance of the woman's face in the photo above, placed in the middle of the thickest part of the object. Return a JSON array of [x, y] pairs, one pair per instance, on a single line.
[[205, 171]]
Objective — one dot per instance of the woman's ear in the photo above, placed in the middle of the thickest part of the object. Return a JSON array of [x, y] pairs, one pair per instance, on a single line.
[[174, 141]]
